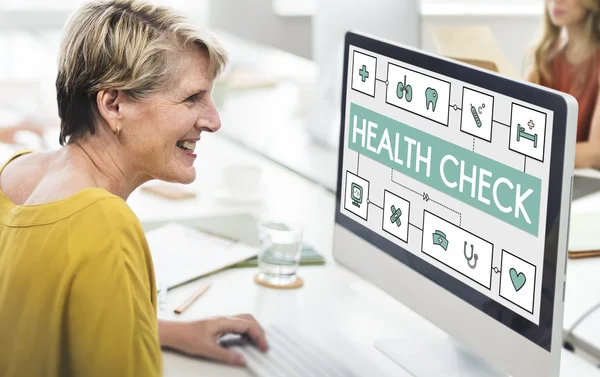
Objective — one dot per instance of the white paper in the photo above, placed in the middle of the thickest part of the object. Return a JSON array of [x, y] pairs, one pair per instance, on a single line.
[[181, 253]]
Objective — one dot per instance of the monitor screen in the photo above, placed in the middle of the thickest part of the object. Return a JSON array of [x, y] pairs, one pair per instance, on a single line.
[[453, 169]]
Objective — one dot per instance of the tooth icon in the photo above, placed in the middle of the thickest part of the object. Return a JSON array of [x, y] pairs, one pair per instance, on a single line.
[[431, 97]]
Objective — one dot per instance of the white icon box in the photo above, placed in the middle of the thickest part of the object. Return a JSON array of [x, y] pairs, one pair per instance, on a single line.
[[477, 114], [356, 195], [527, 131], [418, 93], [364, 71], [462, 251], [517, 281], [396, 215]]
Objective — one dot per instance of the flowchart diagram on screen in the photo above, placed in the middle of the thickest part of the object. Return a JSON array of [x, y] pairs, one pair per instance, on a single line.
[[439, 177]]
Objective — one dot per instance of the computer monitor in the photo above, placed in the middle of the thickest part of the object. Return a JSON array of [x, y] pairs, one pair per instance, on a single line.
[[466, 179], [396, 20]]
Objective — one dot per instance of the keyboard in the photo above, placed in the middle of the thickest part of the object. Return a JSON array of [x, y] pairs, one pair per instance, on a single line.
[[290, 354]]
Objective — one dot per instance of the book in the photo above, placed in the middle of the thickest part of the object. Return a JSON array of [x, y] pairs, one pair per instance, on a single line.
[[308, 257], [583, 242]]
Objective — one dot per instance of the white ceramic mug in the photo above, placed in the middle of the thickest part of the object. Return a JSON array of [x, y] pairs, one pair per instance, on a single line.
[[241, 179]]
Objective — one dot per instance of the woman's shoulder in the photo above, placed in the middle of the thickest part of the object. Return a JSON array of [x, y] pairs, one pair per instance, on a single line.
[[108, 228], [108, 211], [14, 165]]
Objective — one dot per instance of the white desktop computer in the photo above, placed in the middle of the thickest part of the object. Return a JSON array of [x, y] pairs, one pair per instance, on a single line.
[[453, 196], [396, 20]]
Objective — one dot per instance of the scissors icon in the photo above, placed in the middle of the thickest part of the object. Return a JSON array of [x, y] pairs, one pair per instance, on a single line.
[[470, 258]]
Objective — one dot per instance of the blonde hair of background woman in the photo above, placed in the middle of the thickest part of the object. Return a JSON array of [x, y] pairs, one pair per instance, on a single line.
[[551, 42], [127, 45]]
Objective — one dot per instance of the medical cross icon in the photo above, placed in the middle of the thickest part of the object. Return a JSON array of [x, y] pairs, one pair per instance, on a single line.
[[395, 218], [364, 74]]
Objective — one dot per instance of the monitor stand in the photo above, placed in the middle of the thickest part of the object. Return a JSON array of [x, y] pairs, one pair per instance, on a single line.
[[436, 357]]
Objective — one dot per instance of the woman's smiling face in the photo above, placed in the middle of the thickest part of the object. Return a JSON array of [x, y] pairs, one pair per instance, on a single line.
[[160, 132]]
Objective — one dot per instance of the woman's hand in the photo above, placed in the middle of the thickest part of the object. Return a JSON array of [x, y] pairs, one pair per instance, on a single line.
[[199, 338]]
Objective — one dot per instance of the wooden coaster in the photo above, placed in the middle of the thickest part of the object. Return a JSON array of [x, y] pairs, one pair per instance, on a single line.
[[296, 284]]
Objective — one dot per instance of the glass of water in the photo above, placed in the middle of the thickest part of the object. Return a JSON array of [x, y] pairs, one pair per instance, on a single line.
[[279, 252]]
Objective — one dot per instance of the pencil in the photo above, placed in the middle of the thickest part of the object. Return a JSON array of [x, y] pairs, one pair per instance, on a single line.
[[186, 304], [580, 254]]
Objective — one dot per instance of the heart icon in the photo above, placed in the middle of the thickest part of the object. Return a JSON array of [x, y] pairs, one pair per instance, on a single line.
[[518, 279]]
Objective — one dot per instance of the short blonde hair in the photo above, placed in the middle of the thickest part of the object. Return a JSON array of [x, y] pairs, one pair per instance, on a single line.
[[125, 45]]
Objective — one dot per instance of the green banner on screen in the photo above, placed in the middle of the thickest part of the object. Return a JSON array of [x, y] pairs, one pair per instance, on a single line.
[[501, 191]]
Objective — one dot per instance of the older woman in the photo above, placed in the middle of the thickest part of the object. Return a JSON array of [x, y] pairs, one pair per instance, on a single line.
[[77, 287]]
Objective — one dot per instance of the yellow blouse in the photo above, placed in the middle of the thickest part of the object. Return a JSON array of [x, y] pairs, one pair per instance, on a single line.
[[77, 289]]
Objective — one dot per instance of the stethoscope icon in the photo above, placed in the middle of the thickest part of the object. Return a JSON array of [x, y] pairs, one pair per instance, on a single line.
[[470, 258]]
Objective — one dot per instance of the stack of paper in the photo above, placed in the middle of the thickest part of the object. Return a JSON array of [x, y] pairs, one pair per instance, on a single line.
[[181, 254]]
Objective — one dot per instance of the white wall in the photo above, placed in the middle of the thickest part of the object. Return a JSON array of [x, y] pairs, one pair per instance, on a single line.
[[256, 20], [29, 42], [513, 22], [29, 29]]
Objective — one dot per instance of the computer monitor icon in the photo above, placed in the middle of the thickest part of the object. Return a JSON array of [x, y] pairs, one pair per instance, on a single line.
[[356, 194]]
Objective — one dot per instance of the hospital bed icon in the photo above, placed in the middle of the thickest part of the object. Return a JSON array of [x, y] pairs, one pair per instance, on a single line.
[[523, 134]]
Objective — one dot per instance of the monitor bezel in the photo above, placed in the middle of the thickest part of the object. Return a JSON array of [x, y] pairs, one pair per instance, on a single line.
[[538, 334]]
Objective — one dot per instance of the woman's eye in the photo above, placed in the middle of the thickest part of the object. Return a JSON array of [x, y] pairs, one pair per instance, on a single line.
[[193, 98], [197, 97]]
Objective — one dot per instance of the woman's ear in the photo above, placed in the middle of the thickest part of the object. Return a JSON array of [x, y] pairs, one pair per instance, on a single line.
[[109, 106]]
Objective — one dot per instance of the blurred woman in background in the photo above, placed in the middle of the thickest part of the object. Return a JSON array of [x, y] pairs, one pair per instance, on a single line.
[[567, 59]]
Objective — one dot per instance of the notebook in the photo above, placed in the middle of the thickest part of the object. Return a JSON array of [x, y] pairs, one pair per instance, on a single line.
[[308, 257], [243, 228], [181, 253]]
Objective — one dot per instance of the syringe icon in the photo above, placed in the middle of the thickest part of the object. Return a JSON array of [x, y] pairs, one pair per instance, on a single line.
[[475, 116]]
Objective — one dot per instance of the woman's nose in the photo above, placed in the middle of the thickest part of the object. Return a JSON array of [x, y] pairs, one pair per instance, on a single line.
[[210, 119]]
